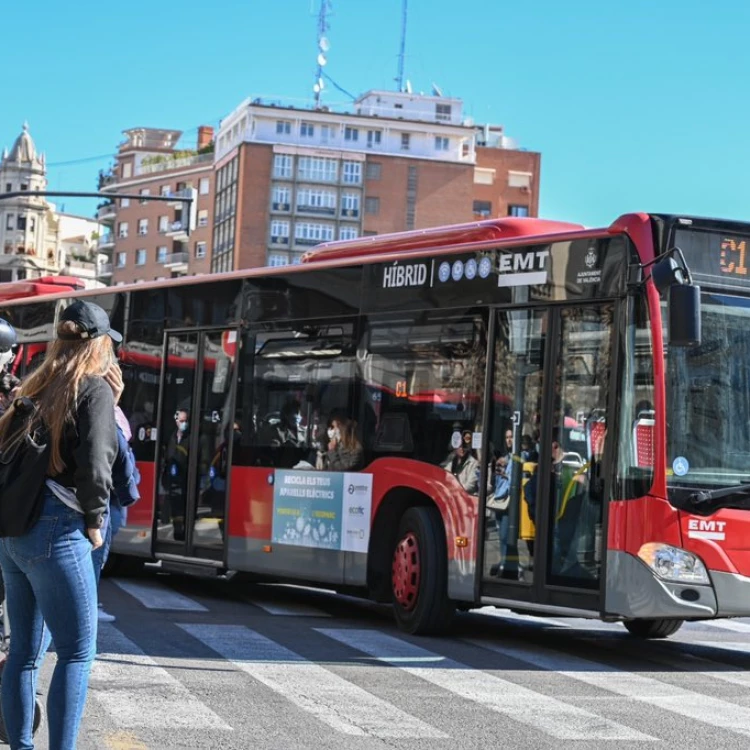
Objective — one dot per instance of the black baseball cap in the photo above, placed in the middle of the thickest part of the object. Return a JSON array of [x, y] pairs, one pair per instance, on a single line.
[[90, 319]]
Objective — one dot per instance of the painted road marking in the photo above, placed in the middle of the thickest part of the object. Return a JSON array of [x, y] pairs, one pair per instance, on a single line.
[[653, 692], [157, 596], [549, 715], [138, 693], [337, 702]]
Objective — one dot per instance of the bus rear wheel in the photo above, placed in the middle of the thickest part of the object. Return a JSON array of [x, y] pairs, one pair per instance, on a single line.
[[660, 628], [419, 573]]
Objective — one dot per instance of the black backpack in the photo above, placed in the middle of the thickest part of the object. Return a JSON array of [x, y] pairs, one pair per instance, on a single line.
[[23, 470]]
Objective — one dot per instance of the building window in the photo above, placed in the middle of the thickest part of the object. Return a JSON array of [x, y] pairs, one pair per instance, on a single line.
[[441, 143], [281, 198], [352, 172], [350, 204], [122, 259], [24, 186], [318, 169], [200, 249], [348, 233], [307, 130], [277, 259], [127, 171], [144, 192], [373, 138], [518, 210], [161, 254], [307, 233], [484, 176], [443, 112], [372, 205], [405, 141], [163, 224], [165, 190], [204, 185], [519, 180], [142, 227], [320, 201], [351, 134], [327, 133], [282, 166], [280, 232], [10, 221], [8, 187], [32, 224], [283, 127], [122, 230], [372, 170], [21, 222], [124, 202], [483, 208], [140, 257], [203, 217]]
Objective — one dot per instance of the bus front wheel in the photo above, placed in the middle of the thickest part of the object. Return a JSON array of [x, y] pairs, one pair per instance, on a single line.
[[419, 573], [659, 628]]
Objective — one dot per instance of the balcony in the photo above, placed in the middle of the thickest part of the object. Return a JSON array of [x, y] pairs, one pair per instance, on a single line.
[[316, 210], [177, 261], [106, 241], [106, 213], [185, 193], [81, 268], [105, 270], [178, 231], [163, 163]]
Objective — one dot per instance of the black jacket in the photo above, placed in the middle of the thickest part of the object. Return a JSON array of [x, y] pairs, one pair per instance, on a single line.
[[89, 448]]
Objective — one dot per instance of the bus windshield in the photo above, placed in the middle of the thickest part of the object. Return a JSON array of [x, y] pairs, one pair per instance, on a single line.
[[708, 400]]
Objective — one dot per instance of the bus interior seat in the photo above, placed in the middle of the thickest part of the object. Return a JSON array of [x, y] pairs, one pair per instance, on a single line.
[[643, 440], [393, 434]]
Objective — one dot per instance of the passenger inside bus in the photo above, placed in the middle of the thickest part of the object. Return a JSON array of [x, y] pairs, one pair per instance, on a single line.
[[345, 452], [175, 473], [462, 463]]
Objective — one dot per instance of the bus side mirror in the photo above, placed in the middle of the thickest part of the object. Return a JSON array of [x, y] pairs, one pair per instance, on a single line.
[[684, 301], [684, 315]]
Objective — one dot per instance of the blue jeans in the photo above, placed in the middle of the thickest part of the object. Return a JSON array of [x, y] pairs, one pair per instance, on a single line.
[[503, 526], [113, 521], [49, 579]]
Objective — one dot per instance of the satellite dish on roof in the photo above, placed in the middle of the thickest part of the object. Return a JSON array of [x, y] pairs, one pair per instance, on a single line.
[[408, 86], [321, 84], [316, 88], [324, 44], [436, 90], [322, 60]]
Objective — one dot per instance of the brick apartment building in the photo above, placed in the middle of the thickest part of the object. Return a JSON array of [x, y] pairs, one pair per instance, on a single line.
[[283, 179], [149, 239]]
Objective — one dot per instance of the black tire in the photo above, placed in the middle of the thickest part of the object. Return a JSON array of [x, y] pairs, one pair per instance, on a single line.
[[419, 573], [660, 628], [37, 723]]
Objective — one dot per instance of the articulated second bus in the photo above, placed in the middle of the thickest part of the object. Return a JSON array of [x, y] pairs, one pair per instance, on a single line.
[[539, 422]]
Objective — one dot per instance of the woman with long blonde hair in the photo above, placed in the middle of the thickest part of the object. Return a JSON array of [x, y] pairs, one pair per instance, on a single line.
[[48, 572]]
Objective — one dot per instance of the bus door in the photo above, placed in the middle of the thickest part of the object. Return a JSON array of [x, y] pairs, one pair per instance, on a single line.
[[551, 399], [195, 436]]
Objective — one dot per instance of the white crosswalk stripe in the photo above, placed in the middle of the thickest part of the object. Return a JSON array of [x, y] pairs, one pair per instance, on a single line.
[[733, 625], [138, 693], [337, 702], [687, 703], [154, 596], [549, 715]]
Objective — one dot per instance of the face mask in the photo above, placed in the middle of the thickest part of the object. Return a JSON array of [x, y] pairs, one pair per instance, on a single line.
[[331, 433], [298, 418], [182, 426]]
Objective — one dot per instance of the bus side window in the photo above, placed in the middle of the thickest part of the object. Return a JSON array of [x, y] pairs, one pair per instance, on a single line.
[[393, 434]]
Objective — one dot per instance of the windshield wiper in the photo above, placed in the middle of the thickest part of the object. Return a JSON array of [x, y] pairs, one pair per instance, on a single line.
[[706, 502]]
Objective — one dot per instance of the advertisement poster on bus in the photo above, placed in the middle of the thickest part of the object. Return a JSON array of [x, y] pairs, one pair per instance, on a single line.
[[322, 509]]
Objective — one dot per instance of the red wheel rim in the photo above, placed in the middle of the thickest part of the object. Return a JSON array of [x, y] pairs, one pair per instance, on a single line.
[[405, 572]]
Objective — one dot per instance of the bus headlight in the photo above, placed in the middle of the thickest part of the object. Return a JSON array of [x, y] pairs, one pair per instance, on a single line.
[[673, 563]]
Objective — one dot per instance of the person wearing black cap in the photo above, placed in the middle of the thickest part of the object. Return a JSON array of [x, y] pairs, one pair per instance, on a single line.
[[48, 571]]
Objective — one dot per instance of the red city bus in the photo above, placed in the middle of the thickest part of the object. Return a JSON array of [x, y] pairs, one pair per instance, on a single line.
[[529, 431]]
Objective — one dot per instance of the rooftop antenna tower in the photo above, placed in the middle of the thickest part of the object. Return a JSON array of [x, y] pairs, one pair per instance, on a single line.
[[323, 46], [402, 48]]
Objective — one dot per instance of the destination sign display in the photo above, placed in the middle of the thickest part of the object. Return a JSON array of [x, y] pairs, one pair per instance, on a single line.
[[716, 258]]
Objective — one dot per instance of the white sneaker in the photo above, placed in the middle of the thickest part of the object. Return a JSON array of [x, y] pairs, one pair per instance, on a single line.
[[105, 616]]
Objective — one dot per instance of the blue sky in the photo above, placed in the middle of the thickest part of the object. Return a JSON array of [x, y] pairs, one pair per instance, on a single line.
[[635, 105]]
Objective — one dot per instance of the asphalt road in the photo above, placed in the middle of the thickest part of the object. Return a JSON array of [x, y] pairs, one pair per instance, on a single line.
[[196, 664]]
